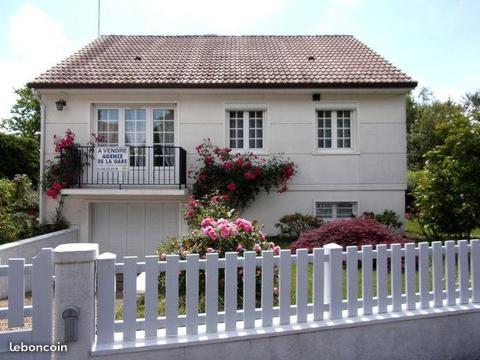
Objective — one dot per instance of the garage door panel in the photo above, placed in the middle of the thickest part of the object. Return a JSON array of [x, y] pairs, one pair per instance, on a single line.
[[136, 229], [133, 228], [100, 221], [117, 237], [154, 232], [170, 220]]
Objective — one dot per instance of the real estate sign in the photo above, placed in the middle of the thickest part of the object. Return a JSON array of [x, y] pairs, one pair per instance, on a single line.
[[111, 158]]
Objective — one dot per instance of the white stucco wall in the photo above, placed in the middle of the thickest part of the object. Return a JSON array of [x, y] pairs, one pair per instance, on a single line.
[[374, 174]]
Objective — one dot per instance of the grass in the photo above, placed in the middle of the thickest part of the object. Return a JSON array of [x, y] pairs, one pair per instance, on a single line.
[[414, 231]]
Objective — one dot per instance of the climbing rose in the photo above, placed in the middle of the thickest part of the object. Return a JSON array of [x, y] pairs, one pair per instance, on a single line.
[[231, 187]]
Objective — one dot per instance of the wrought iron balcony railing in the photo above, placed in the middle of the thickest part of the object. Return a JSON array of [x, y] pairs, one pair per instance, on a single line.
[[146, 165]]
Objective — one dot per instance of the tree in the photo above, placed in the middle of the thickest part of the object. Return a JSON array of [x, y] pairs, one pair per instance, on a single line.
[[20, 155], [426, 125], [25, 119], [448, 191], [471, 105]]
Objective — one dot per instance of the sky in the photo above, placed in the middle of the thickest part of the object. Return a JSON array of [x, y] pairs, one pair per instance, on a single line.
[[434, 41]]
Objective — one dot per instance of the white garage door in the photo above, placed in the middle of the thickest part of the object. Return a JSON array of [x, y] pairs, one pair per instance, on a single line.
[[133, 228]]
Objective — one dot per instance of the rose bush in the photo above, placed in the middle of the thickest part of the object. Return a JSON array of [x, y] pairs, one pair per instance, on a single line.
[[214, 227], [63, 170], [239, 176]]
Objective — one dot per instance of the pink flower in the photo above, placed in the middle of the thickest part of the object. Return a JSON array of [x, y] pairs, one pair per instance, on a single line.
[[239, 248], [232, 187], [245, 225], [207, 222], [271, 245], [211, 233], [208, 160], [228, 165], [257, 248], [210, 250], [257, 171], [276, 250], [190, 213], [224, 230], [283, 189], [163, 257], [262, 235], [54, 190], [249, 176], [227, 150]]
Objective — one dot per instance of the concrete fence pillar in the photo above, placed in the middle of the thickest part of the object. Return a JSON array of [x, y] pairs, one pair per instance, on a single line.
[[75, 288]]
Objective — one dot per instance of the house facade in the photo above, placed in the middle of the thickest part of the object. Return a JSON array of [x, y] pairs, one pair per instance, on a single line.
[[329, 103]]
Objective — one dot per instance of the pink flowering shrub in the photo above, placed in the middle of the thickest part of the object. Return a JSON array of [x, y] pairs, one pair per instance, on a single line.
[[214, 228], [239, 176], [349, 232], [62, 171]]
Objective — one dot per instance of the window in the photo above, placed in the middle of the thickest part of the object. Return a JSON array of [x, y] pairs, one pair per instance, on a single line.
[[334, 129], [335, 210], [246, 129], [107, 126]]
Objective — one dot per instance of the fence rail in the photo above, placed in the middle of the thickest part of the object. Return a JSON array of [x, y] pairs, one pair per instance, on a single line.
[[405, 278]]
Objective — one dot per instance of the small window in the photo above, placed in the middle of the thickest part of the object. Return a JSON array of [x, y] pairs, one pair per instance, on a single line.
[[335, 210], [334, 129], [246, 129]]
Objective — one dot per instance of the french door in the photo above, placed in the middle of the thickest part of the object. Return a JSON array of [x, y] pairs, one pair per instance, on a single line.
[[149, 132]]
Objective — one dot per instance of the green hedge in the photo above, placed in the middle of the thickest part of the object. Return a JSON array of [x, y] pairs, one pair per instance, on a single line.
[[19, 155]]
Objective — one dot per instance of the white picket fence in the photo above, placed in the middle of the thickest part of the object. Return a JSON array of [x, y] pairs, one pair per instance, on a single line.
[[41, 273], [447, 275]]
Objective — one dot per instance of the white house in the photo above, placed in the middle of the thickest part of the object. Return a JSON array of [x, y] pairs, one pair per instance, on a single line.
[[331, 104]]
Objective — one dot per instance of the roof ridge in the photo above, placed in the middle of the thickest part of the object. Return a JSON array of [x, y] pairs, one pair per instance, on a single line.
[[225, 35]]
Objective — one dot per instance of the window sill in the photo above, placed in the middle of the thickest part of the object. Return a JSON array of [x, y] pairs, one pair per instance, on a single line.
[[335, 152]]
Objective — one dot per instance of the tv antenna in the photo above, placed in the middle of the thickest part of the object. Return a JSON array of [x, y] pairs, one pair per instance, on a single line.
[[98, 19]]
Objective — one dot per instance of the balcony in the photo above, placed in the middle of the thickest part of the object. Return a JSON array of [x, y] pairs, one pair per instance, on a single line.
[[152, 166]]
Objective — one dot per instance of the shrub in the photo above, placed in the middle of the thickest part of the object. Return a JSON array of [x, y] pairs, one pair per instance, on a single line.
[[214, 227], [348, 232], [389, 218], [239, 176], [447, 195], [18, 207], [20, 155], [18, 211], [291, 226]]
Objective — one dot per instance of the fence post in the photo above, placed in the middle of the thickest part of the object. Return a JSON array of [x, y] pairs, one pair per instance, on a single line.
[[333, 280], [75, 288]]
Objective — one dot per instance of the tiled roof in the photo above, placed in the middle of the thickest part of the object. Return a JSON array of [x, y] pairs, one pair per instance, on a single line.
[[330, 61]]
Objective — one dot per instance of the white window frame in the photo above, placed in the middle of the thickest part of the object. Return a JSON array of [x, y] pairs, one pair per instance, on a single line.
[[335, 203], [354, 121], [149, 107], [245, 108]]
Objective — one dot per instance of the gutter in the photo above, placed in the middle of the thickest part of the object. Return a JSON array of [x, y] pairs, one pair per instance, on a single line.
[[41, 198]]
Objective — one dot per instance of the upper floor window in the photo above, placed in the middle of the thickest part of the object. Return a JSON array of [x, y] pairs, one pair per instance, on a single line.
[[334, 129], [335, 210], [246, 129]]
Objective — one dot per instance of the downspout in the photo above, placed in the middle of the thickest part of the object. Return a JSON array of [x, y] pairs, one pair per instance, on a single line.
[[41, 199]]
